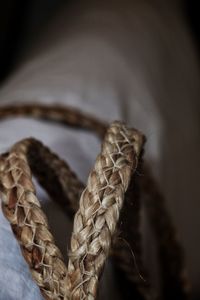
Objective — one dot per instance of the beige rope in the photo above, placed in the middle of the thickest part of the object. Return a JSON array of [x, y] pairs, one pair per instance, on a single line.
[[22, 209], [98, 212], [57, 178], [100, 205]]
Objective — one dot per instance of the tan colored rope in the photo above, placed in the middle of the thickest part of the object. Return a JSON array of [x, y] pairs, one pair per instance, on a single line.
[[62, 184], [100, 205], [22, 209], [20, 205], [57, 178]]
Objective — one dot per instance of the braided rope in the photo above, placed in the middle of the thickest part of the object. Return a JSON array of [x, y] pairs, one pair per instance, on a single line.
[[59, 114], [57, 178], [20, 206], [22, 209], [100, 205], [54, 175], [80, 282]]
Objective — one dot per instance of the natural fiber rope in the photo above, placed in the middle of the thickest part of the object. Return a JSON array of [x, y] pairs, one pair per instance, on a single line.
[[22, 209], [62, 184], [59, 114], [100, 205], [54, 175], [57, 178], [115, 144]]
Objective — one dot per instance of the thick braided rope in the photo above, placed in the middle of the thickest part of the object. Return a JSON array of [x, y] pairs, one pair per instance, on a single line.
[[62, 184], [100, 205], [59, 184], [19, 152], [22, 209], [57, 178]]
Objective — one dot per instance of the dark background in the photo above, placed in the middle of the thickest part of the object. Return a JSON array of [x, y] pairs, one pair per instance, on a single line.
[[21, 20]]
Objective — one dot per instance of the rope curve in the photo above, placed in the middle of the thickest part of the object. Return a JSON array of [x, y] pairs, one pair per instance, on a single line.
[[29, 224], [99, 219], [114, 165]]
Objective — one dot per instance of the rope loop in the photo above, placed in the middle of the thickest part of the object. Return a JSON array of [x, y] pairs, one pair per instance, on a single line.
[[105, 212]]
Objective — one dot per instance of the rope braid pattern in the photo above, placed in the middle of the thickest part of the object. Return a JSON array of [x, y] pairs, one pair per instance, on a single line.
[[29, 224], [54, 175], [100, 205], [20, 203], [88, 256], [57, 178]]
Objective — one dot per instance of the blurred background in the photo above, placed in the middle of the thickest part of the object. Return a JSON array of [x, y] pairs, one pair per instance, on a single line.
[[22, 20], [136, 60]]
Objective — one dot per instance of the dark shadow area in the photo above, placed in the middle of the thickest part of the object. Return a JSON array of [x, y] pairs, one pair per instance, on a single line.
[[20, 22]]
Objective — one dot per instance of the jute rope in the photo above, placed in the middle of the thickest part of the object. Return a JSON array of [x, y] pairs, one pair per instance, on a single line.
[[22, 209], [98, 229], [99, 209]]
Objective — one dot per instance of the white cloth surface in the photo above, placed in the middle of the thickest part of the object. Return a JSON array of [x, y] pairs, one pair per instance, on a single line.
[[134, 62]]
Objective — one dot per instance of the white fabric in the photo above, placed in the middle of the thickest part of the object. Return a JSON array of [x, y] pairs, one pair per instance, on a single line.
[[130, 60]]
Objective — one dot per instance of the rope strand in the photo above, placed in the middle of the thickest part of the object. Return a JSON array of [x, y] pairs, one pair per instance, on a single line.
[[111, 185], [20, 206], [99, 209], [29, 224]]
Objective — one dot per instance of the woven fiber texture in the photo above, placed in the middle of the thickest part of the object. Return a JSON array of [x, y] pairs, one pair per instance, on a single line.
[[100, 205], [22, 209], [106, 218], [99, 213]]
